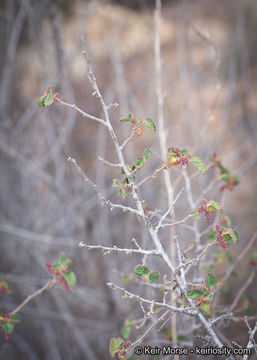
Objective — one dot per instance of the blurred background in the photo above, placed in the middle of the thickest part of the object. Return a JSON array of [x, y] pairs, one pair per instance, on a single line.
[[209, 64]]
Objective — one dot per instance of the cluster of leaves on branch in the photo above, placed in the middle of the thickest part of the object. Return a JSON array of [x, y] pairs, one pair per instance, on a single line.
[[138, 122], [61, 273], [225, 175], [222, 233], [183, 157], [48, 98]]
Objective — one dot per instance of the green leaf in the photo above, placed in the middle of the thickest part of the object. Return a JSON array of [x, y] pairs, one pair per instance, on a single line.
[[228, 256], [233, 234], [171, 152], [226, 237], [197, 162], [225, 177], [56, 266], [125, 119], [7, 326], [71, 279], [206, 308], [125, 331], [115, 183], [41, 102], [131, 320], [211, 281], [185, 152], [212, 235], [63, 259], [223, 169], [134, 178], [195, 293], [112, 347], [125, 279], [154, 276], [215, 204], [150, 124], [48, 100], [139, 162], [15, 318], [163, 287], [147, 154], [141, 270], [254, 256]]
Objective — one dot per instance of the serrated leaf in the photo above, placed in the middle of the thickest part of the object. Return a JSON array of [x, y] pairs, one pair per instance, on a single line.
[[150, 124], [215, 204], [48, 99], [141, 270], [195, 293], [226, 237], [147, 154], [63, 259], [15, 318], [211, 281], [197, 162], [125, 331], [154, 276], [115, 183], [7, 326], [233, 235], [125, 119], [139, 162], [212, 235], [112, 347], [71, 279]]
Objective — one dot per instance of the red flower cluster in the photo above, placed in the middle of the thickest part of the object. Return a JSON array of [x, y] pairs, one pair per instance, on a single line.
[[219, 237], [204, 209]]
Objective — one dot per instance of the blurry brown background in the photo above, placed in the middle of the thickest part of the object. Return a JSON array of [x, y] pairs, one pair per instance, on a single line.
[[46, 208]]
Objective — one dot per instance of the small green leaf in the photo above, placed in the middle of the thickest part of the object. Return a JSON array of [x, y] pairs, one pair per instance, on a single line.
[[131, 320], [147, 154], [163, 287], [7, 326], [112, 347], [195, 293], [134, 178], [226, 236], [154, 276], [197, 162], [139, 162], [233, 235], [150, 124], [215, 204], [141, 270], [125, 331], [212, 235], [206, 308], [171, 152], [225, 177], [15, 318], [185, 152], [48, 100], [228, 256], [254, 256], [115, 183], [63, 259], [70, 277], [125, 279], [211, 281], [56, 266], [41, 102], [125, 119]]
